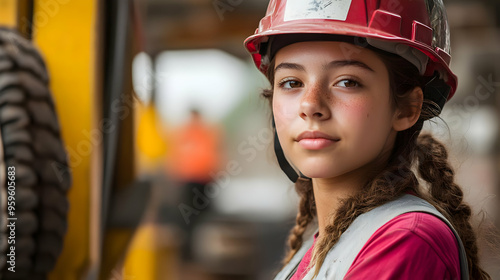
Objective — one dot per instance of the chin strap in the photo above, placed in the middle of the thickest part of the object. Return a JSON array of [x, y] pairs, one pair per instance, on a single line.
[[283, 162], [436, 93]]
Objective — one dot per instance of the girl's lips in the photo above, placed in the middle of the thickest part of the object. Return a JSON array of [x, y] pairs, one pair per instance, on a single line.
[[315, 140], [315, 143]]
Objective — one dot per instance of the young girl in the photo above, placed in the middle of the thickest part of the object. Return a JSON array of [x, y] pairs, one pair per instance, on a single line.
[[352, 83]]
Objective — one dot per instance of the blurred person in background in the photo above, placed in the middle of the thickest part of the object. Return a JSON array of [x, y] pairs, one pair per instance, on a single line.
[[195, 154], [352, 83]]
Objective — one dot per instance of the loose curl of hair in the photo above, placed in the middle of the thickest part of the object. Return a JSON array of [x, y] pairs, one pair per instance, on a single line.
[[424, 152]]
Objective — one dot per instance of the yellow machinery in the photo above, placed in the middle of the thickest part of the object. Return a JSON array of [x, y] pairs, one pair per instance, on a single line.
[[88, 46]]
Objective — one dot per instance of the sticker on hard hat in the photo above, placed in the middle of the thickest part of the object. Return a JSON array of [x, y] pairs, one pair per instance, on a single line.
[[317, 9]]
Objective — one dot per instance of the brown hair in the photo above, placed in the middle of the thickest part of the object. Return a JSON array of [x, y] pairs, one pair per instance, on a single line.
[[431, 159]]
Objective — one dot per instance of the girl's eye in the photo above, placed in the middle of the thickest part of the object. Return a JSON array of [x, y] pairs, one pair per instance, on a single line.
[[289, 84], [348, 83]]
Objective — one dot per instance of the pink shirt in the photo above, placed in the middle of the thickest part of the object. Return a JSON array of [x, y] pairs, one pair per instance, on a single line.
[[410, 246]]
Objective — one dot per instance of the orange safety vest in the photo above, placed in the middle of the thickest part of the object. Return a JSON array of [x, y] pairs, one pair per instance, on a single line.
[[195, 152]]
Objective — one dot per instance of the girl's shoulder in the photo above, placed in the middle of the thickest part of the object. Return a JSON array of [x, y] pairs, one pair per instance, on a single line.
[[410, 246]]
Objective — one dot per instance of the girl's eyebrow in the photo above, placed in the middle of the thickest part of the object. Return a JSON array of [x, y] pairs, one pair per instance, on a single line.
[[332, 64], [343, 63], [287, 65]]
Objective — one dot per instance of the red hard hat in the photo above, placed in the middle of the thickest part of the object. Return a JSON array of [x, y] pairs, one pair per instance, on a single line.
[[419, 24]]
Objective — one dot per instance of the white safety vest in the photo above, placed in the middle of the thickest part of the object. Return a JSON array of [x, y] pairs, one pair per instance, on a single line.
[[341, 256]]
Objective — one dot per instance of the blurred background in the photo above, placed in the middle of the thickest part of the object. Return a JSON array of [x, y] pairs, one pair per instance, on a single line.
[[143, 88]]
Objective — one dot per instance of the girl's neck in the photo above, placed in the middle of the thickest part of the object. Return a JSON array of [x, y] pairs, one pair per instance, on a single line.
[[328, 192], [327, 195]]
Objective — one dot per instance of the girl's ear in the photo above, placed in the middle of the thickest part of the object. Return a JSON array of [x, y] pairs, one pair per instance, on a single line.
[[407, 114]]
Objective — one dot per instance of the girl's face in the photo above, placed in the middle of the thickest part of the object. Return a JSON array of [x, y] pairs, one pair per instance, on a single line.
[[332, 107]]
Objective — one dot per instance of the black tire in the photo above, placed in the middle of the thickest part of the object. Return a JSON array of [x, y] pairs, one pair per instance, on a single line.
[[32, 149]]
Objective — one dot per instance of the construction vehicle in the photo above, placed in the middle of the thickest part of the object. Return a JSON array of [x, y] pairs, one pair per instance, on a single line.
[[62, 80]]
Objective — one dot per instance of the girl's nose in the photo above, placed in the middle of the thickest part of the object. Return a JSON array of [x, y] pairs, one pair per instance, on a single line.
[[313, 104]]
